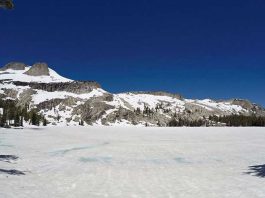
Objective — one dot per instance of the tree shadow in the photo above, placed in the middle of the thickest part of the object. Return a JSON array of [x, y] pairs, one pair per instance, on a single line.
[[258, 171], [8, 158], [12, 172]]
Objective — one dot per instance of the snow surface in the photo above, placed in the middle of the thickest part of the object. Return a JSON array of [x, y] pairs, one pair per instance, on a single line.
[[18, 75], [139, 100], [224, 106], [42, 96], [133, 162]]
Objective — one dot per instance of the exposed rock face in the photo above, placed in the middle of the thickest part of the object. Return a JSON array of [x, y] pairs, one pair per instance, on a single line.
[[38, 69], [244, 103], [78, 87], [251, 107], [6, 4], [14, 66], [25, 97], [49, 104], [93, 110], [10, 93]]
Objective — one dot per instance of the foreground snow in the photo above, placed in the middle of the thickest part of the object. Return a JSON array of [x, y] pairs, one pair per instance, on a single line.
[[133, 162]]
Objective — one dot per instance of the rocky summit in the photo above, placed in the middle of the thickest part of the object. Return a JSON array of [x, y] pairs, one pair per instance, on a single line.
[[38, 69], [66, 102], [14, 66]]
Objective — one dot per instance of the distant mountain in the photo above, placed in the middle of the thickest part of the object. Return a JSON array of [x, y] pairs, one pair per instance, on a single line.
[[67, 102]]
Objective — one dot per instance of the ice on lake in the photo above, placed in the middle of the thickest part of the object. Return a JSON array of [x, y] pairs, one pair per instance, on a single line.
[[132, 162]]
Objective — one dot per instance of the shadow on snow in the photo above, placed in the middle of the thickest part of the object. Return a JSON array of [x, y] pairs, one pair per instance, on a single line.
[[257, 170], [8, 158], [12, 172]]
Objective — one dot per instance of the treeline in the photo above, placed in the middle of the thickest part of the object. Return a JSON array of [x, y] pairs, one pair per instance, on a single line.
[[185, 122], [149, 112], [229, 120], [13, 115], [239, 120]]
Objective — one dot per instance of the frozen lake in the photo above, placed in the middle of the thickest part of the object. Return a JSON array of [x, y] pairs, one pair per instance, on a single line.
[[132, 162]]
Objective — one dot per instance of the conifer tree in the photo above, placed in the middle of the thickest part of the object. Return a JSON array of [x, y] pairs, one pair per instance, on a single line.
[[44, 122], [21, 121], [17, 120]]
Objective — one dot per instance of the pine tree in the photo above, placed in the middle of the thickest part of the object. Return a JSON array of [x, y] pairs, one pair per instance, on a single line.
[[138, 111], [2, 121], [58, 117], [17, 120], [15, 115], [44, 122], [21, 121], [35, 119]]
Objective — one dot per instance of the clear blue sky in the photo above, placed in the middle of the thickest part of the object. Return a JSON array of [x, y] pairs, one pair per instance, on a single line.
[[199, 48]]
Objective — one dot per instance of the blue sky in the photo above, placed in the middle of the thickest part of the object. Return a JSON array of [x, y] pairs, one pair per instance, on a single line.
[[201, 49]]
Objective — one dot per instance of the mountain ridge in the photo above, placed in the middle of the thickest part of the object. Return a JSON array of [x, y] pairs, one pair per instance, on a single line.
[[64, 101]]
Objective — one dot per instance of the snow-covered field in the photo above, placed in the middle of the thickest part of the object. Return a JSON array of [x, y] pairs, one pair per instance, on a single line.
[[132, 162]]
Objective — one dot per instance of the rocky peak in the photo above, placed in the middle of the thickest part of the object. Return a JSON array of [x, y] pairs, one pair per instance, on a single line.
[[14, 66], [38, 69], [243, 103]]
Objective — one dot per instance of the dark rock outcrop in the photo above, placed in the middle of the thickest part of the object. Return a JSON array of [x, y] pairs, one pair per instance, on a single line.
[[78, 87], [6, 4], [93, 109], [49, 104], [38, 69], [14, 66], [91, 112]]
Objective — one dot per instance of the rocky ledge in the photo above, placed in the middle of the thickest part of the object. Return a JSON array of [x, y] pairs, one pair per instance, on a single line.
[[78, 87]]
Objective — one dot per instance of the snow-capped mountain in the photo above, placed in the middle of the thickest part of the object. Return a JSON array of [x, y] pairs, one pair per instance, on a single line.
[[65, 102], [39, 73]]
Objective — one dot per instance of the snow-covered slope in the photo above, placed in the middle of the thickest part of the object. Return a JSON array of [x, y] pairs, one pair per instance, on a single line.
[[141, 100], [98, 162], [65, 102], [19, 75]]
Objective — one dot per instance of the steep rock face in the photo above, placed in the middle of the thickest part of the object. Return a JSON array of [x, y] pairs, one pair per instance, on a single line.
[[49, 105], [93, 109], [38, 69], [78, 87], [244, 103], [14, 66]]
